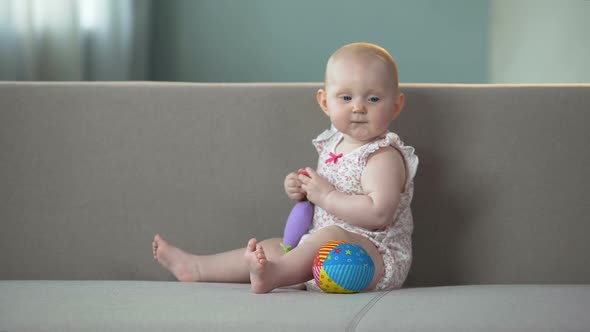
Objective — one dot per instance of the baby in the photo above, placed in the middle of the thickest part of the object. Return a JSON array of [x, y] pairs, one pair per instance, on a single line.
[[362, 188]]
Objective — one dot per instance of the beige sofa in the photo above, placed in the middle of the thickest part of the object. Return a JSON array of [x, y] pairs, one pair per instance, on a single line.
[[89, 172]]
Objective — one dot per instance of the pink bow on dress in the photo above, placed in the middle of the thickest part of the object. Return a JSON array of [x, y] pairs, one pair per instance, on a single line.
[[333, 158]]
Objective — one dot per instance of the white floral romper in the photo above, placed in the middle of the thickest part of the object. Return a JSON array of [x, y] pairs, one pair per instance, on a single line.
[[344, 172]]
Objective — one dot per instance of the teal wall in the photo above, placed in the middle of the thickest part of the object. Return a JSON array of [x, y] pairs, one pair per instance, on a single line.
[[539, 41], [290, 41]]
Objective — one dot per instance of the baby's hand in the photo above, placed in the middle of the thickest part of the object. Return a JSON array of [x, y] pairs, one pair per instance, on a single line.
[[293, 187], [316, 187]]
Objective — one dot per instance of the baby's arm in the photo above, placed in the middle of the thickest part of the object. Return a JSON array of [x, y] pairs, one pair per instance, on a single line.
[[382, 180]]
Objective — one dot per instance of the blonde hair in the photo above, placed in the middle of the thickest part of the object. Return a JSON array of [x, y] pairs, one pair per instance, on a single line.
[[367, 50]]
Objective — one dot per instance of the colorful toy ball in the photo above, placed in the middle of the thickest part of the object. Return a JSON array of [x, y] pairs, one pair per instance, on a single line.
[[341, 267]]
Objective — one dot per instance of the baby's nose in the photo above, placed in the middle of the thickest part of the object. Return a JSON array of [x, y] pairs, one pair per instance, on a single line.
[[359, 107]]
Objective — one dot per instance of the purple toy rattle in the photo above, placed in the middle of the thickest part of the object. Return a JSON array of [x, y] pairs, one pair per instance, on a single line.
[[298, 223]]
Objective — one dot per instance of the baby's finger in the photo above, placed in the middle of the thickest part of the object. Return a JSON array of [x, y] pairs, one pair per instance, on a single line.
[[296, 185], [312, 173], [299, 196], [295, 190], [304, 178]]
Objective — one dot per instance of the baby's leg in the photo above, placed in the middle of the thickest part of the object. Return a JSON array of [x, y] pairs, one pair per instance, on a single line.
[[269, 272], [228, 266]]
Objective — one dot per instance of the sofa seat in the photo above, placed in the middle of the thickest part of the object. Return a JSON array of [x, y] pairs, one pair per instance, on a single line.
[[175, 306]]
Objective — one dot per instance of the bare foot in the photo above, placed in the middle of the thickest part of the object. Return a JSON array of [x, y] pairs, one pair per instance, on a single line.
[[260, 268], [183, 265]]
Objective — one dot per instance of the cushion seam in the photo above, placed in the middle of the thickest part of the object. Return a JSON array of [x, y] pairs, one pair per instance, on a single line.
[[361, 314]]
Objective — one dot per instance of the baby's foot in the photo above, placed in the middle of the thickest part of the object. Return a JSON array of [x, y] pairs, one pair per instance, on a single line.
[[183, 265], [260, 268]]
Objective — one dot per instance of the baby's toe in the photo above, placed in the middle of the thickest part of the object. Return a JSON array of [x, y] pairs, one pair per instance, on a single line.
[[252, 245]]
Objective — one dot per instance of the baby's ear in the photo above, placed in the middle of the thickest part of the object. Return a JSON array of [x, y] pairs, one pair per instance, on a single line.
[[322, 100], [399, 103]]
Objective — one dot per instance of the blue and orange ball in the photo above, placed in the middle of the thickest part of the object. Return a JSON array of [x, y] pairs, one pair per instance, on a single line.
[[341, 267]]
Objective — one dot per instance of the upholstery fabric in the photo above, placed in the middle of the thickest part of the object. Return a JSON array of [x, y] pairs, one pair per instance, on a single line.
[[90, 172]]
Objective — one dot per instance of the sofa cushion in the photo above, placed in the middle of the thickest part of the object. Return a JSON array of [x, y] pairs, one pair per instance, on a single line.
[[482, 308], [174, 306], [170, 306]]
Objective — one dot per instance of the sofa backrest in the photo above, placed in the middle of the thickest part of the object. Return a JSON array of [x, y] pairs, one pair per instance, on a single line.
[[89, 172]]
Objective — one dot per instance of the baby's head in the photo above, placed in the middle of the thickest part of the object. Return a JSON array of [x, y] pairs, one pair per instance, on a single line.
[[361, 93], [366, 54]]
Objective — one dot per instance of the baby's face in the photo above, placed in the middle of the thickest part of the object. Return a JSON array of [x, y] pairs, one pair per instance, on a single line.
[[360, 98]]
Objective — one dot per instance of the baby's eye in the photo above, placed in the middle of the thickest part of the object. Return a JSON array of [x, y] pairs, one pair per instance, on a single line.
[[346, 98], [374, 99]]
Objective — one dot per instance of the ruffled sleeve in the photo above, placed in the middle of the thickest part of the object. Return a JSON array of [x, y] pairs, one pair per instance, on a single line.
[[323, 138], [408, 153]]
